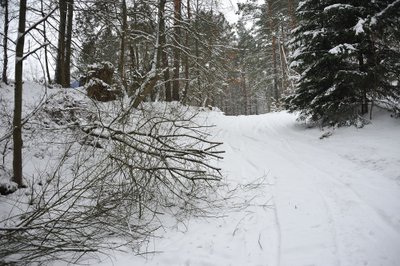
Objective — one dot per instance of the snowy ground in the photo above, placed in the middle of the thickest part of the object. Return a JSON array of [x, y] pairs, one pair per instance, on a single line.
[[331, 201], [299, 199]]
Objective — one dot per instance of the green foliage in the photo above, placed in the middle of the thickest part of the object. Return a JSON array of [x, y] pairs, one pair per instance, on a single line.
[[210, 46], [96, 32], [343, 60]]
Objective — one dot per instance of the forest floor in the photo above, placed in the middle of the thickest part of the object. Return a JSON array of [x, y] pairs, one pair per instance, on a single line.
[[307, 200]]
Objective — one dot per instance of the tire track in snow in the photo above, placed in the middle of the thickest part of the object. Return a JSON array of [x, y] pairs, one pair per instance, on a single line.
[[343, 204], [278, 235], [315, 195], [251, 167], [263, 144], [272, 130], [351, 193]]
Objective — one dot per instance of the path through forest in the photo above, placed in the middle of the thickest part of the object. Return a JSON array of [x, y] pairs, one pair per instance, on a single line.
[[336, 200], [309, 201]]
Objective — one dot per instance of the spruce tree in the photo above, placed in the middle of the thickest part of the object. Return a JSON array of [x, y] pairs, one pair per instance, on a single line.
[[380, 49], [326, 58], [346, 55]]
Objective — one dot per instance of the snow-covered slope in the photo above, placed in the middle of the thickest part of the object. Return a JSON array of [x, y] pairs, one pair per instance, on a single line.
[[307, 201]]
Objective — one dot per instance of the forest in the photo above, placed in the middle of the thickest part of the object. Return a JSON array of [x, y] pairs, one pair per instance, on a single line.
[[104, 107]]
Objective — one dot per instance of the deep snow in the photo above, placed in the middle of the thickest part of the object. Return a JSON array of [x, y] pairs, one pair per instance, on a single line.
[[330, 201]]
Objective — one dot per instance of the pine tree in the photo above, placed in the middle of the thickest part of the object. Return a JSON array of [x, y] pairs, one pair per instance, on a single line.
[[209, 45], [346, 54], [380, 33], [328, 57], [273, 22]]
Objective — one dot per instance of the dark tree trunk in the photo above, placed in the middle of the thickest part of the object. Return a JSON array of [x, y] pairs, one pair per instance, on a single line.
[[167, 78], [275, 67], [5, 43], [245, 93], [177, 50], [364, 99], [292, 15], [68, 43], [46, 59], [197, 48], [17, 127], [282, 54], [60, 71], [186, 60], [273, 48], [124, 30], [164, 55]]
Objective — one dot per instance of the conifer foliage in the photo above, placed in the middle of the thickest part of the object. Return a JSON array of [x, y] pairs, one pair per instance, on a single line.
[[343, 58]]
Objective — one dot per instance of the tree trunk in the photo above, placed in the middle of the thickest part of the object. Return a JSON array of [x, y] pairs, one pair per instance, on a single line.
[[17, 127], [273, 48], [245, 93], [186, 60], [275, 66], [60, 71], [68, 44], [177, 50], [5, 43], [197, 50], [163, 52], [282, 53], [364, 99], [46, 59], [292, 14], [151, 80], [124, 30]]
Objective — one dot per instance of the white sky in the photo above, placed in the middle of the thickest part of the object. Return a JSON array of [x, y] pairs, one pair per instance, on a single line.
[[229, 8], [33, 69]]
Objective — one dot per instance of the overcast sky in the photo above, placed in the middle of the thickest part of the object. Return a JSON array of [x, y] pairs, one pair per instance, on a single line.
[[229, 8]]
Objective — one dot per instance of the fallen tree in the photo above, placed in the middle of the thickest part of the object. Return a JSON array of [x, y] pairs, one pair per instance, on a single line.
[[119, 174]]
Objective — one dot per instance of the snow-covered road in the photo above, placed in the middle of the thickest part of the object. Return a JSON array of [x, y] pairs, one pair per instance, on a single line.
[[310, 201], [336, 200]]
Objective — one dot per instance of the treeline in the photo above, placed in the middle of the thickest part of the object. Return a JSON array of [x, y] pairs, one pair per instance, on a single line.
[[107, 176], [325, 59], [181, 50]]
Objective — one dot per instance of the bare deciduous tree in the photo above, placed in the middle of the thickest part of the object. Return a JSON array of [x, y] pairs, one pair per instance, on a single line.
[[4, 77], [63, 58], [17, 126]]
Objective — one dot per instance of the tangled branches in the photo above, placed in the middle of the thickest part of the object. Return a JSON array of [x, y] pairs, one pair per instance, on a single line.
[[112, 185]]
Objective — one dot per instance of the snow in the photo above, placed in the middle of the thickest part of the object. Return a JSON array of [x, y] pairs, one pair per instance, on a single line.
[[293, 198], [386, 9], [315, 33], [19, 35], [300, 5], [330, 201], [373, 21], [335, 7], [390, 7], [342, 48], [359, 28]]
